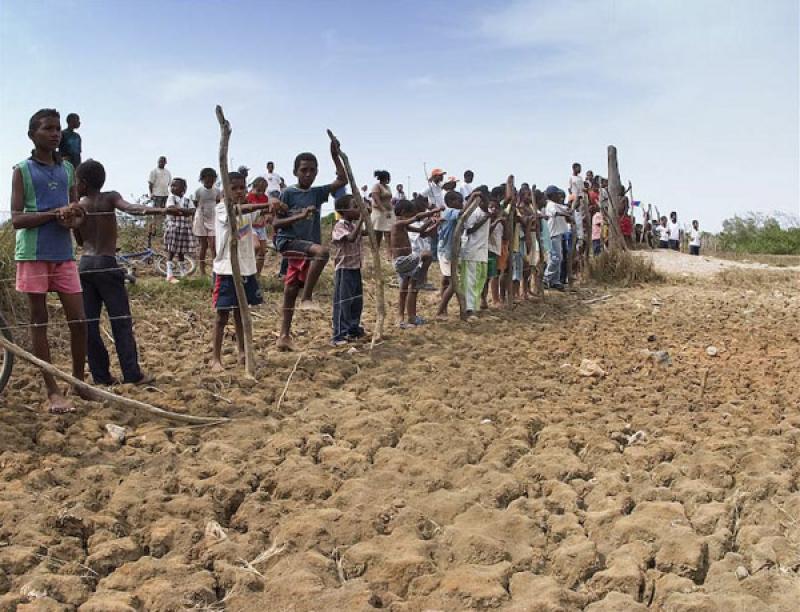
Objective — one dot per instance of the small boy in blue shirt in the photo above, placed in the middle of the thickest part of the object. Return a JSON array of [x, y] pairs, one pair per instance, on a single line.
[[299, 236]]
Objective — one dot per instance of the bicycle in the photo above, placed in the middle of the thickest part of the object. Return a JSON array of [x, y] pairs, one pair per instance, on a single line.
[[131, 262], [6, 357]]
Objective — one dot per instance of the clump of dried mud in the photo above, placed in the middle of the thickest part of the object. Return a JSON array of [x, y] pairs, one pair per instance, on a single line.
[[458, 466]]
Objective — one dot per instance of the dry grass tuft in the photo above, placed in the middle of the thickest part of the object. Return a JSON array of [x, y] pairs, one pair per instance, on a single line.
[[622, 269], [751, 279]]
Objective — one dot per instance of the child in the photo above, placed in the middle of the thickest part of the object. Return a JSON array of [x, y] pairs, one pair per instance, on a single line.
[[454, 203], [259, 196], [597, 230], [178, 237], [408, 265], [694, 238], [299, 236], [101, 277], [206, 199], [496, 231], [663, 234], [224, 297], [473, 263], [674, 232], [42, 187], [558, 214], [348, 301]]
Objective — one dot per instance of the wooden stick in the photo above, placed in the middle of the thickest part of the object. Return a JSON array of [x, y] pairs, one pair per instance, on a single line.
[[456, 253], [540, 263], [615, 192], [233, 244], [288, 380], [122, 402], [377, 272]]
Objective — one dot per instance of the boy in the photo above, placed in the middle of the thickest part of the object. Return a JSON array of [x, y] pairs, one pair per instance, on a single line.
[[299, 237], [224, 296], [674, 232], [663, 234], [496, 232], [473, 263], [558, 214], [694, 238], [42, 187], [454, 203], [597, 230], [102, 280], [258, 195], [70, 146], [348, 290], [409, 266]]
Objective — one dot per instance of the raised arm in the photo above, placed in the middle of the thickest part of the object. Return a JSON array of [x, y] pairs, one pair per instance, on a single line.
[[341, 175], [135, 209]]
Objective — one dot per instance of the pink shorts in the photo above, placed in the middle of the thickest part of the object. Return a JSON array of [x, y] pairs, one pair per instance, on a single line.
[[46, 276]]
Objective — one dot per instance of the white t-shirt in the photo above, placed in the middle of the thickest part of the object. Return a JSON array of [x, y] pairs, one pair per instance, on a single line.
[[576, 185], [475, 246], [398, 196], [674, 230], [694, 237], [435, 195], [663, 233], [274, 181], [557, 224], [247, 252], [160, 179], [496, 238], [466, 190]]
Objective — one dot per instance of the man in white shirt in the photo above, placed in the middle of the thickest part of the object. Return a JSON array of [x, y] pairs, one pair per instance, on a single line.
[[159, 182], [399, 194], [694, 238], [275, 183], [674, 232], [557, 214], [576, 190], [466, 189]]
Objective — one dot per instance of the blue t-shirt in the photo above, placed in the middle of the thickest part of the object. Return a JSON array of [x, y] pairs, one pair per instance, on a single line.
[[306, 229], [71, 146], [449, 218]]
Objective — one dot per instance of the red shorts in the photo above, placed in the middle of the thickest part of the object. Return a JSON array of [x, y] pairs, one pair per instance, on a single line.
[[297, 270], [46, 276]]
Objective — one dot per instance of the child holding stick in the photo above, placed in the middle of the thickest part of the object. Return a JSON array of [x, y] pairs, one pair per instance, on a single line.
[[409, 266], [496, 232], [348, 289], [224, 296], [454, 203], [473, 263], [258, 195], [178, 237], [42, 188], [299, 236]]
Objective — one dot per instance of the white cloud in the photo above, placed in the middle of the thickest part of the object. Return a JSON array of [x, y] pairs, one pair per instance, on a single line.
[[185, 86]]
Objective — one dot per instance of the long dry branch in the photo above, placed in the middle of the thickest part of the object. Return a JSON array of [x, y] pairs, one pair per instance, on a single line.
[[123, 402]]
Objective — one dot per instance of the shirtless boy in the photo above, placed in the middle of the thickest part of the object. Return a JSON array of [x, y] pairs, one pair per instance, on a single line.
[[409, 266]]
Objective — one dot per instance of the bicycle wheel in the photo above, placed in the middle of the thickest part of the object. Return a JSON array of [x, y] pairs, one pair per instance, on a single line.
[[184, 269], [6, 358]]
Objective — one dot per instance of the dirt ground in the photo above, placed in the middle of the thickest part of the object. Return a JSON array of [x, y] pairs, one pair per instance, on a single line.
[[457, 466]]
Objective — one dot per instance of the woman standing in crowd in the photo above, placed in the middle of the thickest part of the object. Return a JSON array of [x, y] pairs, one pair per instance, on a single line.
[[382, 213]]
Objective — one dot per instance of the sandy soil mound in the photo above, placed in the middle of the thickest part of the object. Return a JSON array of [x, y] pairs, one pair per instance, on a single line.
[[673, 262], [549, 458]]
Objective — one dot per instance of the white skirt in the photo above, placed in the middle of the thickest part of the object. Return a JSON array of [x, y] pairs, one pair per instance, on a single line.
[[382, 221]]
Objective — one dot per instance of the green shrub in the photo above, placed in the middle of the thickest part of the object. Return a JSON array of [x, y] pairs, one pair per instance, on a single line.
[[755, 233]]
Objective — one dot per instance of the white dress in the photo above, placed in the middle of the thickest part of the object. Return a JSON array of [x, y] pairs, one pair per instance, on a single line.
[[382, 220]]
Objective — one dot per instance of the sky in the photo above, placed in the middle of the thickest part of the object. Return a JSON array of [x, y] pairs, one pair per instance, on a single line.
[[701, 97]]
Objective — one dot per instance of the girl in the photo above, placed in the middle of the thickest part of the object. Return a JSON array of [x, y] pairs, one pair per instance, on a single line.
[[259, 196], [382, 212], [206, 198], [178, 237]]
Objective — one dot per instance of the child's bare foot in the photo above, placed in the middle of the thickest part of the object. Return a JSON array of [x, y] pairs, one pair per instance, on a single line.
[[217, 367], [484, 305], [58, 404], [309, 305], [441, 316], [85, 394], [284, 344]]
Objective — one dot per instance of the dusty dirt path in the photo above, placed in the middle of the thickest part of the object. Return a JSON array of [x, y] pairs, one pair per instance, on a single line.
[[456, 467], [704, 266]]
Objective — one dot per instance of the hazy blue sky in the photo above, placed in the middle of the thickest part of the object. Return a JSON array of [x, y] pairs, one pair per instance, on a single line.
[[700, 96]]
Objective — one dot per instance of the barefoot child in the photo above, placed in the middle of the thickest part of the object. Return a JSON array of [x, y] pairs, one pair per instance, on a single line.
[[224, 291], [42, 187], [496, 231], [454, 204], [348, 300], [102, 279], [473, 264], [299, 236], [178, 237], [206, 199], [258, 195], [408, 265]]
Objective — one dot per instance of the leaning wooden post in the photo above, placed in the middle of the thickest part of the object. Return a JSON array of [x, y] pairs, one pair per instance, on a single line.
[[456, 254], [615, 193], [377, 272], [233, 244]]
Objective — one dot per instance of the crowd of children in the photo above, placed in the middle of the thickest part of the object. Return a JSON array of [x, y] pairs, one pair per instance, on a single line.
[[510, 238]]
